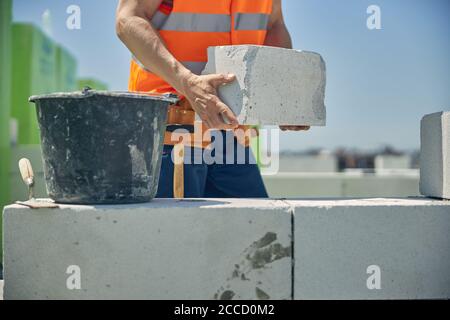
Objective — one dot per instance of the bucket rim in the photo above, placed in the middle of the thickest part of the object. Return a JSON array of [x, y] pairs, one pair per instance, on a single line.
[[87, 93]]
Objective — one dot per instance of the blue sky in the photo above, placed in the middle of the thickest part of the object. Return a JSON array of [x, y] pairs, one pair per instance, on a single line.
[[380, 82]]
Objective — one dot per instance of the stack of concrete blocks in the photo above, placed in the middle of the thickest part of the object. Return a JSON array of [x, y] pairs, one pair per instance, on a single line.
[[274, 86], [230, 249], [435, 155]]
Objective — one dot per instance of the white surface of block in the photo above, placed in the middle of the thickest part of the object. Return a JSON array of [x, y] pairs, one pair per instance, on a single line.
[[167, 249], [339, 242], [435, 155], [231, 248], [274, 86]]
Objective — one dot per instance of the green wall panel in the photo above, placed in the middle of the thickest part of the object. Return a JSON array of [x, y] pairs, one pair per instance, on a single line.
[[34, 65], [5, 78], [66, 70]]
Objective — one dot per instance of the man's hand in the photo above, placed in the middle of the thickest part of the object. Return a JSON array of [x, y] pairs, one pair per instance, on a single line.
[[201, 92], [295, 128]]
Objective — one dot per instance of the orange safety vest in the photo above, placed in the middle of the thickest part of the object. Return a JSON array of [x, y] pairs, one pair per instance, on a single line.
[[188, 28]]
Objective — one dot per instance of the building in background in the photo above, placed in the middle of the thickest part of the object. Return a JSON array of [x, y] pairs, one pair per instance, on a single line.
[[345, 173], [34, 65], [310, 161], [392, 162], [66, 70]]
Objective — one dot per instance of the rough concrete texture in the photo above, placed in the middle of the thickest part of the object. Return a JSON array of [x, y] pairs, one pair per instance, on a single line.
[[435, 155], [337, 241], [231, 249], [274, 86], [167, 249]]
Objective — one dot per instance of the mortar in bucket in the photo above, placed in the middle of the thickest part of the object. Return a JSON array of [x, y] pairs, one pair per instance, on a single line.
[[102, 147]]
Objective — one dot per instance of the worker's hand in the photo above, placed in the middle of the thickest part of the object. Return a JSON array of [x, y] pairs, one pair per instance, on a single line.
[[295, 128], [201, 92]]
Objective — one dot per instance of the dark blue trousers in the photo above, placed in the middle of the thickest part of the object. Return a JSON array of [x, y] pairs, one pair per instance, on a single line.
[[227, 172]]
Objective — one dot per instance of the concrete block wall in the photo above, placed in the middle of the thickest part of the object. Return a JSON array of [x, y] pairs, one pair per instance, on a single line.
[[231, 249], [435, 155], [274, 86]]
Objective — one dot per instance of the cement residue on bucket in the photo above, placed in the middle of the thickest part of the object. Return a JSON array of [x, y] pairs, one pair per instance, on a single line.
[[138, 166]]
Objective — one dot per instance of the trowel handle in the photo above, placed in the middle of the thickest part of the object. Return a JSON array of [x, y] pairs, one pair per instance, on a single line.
[[26, 171]]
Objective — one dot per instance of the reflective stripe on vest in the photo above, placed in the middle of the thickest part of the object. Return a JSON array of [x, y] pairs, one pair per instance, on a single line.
[[194, 22], [158, 20], [251, 21]]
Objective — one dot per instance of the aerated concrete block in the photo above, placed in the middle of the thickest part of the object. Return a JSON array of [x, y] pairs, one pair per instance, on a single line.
[[372, 249], [166, 249], [274, 86], [435, 155]]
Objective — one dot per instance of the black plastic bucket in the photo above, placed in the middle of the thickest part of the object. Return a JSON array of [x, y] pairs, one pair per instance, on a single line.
[[102, 147]]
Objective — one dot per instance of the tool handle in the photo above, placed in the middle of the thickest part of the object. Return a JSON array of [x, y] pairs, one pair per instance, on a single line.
[[26, 171], [178, 171]]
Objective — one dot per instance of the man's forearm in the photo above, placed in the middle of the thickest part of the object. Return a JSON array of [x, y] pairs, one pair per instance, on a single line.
[[137, 33], [143, 41]]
